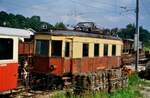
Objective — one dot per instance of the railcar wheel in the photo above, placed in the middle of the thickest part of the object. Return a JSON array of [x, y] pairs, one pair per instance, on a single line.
[[55, 82]]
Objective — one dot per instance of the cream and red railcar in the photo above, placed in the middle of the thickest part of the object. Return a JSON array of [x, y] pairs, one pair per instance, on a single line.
[[9, 39], [61, 52]]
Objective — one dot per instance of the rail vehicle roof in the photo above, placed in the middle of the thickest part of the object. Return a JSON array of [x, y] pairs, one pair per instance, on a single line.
[[78, 33], [15, 32], [131, 40]]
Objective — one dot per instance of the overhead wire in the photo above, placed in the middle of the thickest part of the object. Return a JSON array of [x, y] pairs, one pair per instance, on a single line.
[[18, 6], [95, 9], [100, 9], [113, 8]]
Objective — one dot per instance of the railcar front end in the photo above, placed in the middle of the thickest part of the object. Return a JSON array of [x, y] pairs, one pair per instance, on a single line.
[[8, 63]]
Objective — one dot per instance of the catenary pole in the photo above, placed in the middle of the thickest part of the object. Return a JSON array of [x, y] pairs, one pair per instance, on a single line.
[[137, 36]]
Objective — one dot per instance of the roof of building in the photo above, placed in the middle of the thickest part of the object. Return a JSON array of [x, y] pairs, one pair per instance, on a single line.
[[15, 32], [78, 33]]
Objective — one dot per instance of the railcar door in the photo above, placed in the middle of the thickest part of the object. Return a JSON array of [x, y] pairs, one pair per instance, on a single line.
[[61, 56], [56, 60]]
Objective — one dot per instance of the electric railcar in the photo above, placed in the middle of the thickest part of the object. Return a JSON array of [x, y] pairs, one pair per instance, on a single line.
[[9, 39], [71, 52]]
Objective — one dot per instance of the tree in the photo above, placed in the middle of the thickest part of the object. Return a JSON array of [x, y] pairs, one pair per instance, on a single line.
[[19, 21], [3, 18], [60, 26], [129, 31], [36, 18], [106, 31], [114, 31], [144, 34], [34, 24]]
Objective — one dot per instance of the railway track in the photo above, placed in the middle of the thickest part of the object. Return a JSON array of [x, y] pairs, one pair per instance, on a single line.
[[24, 93], [103, 80]]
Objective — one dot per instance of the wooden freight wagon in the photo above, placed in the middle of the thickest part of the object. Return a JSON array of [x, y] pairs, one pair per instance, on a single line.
[[26, 48]]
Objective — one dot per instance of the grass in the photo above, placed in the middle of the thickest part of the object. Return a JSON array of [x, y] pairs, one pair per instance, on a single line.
[[146, 48], [132, 91]]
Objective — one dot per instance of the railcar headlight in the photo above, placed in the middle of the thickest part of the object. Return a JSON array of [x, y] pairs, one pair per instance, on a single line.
[[52, 67]]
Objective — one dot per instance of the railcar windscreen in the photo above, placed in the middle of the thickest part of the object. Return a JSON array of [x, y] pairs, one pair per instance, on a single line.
[[42, 47], [6, 48]]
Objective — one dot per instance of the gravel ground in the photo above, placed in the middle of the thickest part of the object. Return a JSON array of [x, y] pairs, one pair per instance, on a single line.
[[38, 94], [145, 89]]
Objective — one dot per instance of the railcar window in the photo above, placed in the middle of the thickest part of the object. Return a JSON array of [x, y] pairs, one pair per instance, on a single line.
[[56, 48], [105, 49], [67, 49], [6, 49], [113, 50], [85, 50], [42, 47], [96, 49]]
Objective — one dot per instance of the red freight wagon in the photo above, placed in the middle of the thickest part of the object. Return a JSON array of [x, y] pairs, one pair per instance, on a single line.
[[25, 48], [9, 38]]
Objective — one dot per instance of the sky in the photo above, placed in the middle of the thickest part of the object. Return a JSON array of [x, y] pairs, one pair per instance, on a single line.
[[105, 13]]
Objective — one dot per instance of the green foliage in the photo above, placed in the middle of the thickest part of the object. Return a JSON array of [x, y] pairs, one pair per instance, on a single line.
[[129, 31], [147, 46], [19, 21], [60, 26], [134, 80], [131, 91], [59, 95], [114, 31]]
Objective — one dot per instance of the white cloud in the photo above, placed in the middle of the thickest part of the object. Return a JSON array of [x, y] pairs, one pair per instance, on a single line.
[[113, 18], [72, 19], [3, 9], [103, 12]]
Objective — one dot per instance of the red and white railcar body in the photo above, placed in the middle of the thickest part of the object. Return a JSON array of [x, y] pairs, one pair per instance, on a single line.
[[9, 38]]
